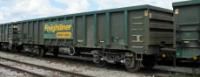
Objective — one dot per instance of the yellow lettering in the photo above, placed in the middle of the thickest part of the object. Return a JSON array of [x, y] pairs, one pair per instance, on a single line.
[[63, 35], [58, 27]]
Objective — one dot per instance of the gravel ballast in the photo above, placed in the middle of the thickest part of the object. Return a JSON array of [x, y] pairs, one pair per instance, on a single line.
[[73, 67]]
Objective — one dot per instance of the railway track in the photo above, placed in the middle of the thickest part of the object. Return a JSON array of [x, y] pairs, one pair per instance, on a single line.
[[171, 70], [37, 70], [158, 71], [178, 71], [185, 70]]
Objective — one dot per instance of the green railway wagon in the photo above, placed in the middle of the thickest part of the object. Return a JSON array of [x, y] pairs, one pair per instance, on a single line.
[[131, 36], [187, 24]]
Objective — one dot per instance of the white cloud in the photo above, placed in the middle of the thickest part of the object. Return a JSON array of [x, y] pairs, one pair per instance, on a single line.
[[75, 6], [105, 4], [34, 7], [22, 9], [16, 10], [1, 16]]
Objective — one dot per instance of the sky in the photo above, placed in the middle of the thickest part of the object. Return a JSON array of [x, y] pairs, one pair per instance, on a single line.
[[17, 10]]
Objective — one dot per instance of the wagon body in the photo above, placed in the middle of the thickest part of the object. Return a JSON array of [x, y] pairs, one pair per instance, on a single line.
[[128, 35], [139, 29]]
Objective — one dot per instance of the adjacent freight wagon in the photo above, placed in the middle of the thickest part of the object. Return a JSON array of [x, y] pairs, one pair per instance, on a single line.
[[131, 36], [187, 25]]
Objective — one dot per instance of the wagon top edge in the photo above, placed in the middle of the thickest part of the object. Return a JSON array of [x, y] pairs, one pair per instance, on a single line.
[[132, 8], [186, 3]]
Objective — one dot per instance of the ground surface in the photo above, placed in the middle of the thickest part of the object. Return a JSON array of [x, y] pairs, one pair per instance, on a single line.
[[78, 66]]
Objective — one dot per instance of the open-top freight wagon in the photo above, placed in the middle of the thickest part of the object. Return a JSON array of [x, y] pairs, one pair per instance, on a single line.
[[131, 36], [186, 34], [187, 26]]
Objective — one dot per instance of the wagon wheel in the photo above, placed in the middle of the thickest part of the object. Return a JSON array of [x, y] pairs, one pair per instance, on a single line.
[[42, 52], [72, 51], [11, 48], [36, 51], [131, 64], [97, 59], [39, 52]]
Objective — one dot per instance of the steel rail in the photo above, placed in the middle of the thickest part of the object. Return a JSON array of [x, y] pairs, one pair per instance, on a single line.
[[21, 70], [43, 67]]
